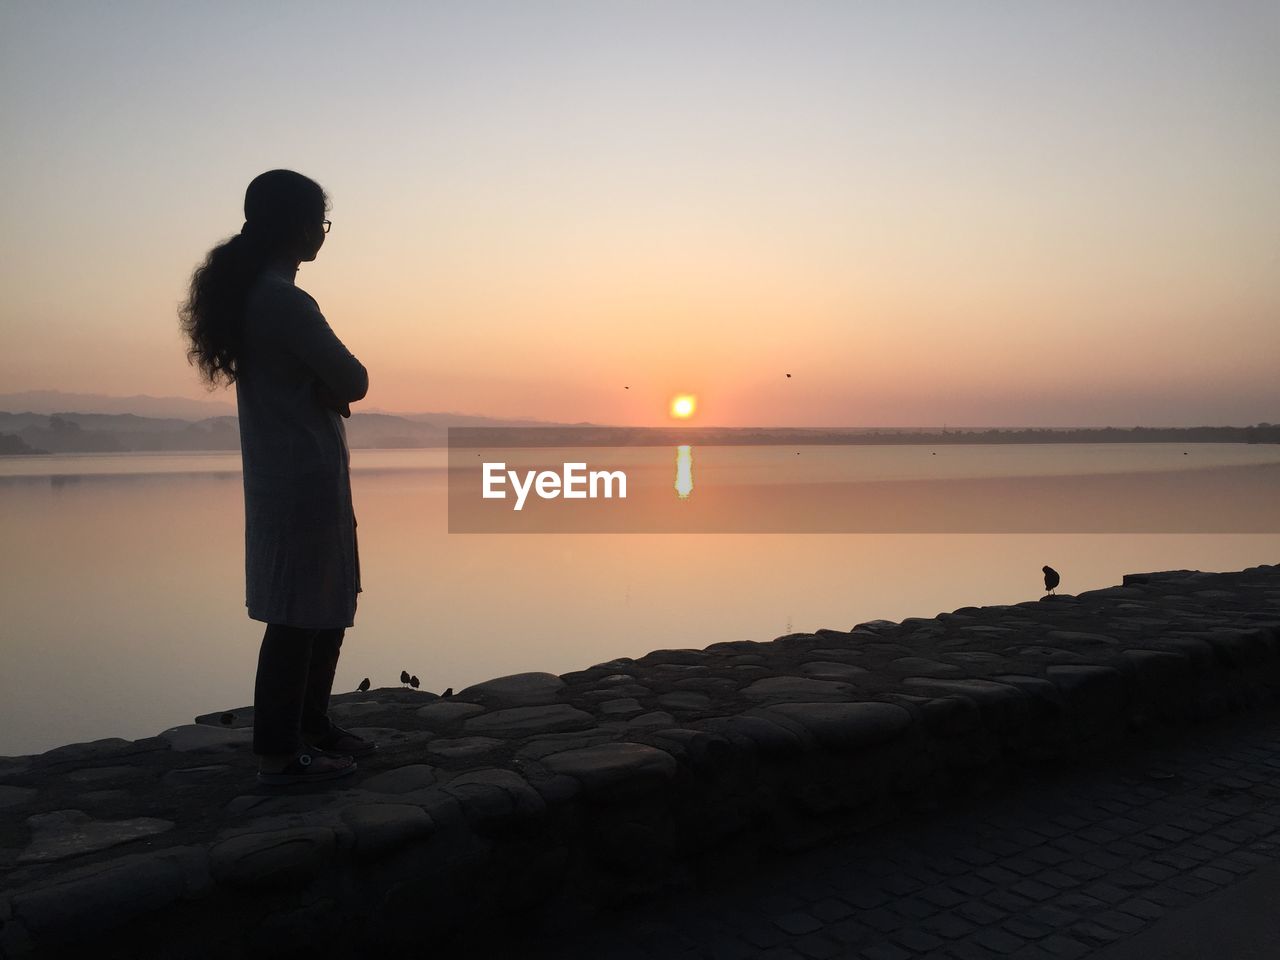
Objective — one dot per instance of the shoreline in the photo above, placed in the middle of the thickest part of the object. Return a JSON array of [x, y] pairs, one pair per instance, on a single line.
[[560, 795]]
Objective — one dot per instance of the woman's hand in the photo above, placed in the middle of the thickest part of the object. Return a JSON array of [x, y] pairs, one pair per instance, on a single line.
[[327, 398]]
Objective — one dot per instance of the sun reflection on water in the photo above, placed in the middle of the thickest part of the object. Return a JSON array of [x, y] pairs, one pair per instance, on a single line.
[[684, 471]]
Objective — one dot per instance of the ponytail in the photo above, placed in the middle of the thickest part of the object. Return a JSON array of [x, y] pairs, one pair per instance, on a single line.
[[213, 315], [277, 205]]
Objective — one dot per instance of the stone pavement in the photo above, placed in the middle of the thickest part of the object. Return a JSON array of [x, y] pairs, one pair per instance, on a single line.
[[525, 804], [1172, 850]]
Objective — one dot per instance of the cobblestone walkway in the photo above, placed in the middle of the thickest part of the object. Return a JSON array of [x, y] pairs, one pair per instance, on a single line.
[[1058, 867]]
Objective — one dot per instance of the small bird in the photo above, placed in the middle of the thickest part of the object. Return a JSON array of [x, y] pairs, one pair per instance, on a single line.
[[788, 376], [364, 685], [626, 388], [1051, 578], [404, 676], [448, 692], [227, 719], [413, 682]]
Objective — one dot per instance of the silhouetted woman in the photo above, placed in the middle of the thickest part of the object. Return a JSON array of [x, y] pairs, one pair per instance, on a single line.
[[250, 325]]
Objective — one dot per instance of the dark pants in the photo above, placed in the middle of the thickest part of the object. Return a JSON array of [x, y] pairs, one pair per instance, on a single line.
[[291, 694]]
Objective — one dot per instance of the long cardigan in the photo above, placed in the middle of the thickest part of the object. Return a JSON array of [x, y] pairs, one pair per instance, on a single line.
[[302, 564]]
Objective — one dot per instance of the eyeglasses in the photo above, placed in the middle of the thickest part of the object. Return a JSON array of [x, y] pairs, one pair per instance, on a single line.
[[327, 225]]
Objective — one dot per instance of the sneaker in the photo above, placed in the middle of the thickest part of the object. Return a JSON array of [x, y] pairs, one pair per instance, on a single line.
[[308, 765]]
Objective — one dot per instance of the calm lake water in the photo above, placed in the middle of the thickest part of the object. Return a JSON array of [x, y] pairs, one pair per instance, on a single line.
[[122, 577]]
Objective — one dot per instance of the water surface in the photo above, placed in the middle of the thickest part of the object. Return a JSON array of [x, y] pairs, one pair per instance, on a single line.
[[122, 576]]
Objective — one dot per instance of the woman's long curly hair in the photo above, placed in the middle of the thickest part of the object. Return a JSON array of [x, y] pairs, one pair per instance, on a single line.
[[279, 206]]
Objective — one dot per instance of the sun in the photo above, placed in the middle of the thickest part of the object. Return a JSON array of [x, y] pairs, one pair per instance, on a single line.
[[682, 407]]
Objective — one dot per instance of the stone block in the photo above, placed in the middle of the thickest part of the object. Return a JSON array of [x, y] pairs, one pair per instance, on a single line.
[[684, 700], [459, 748], [558, 742], [611, 769], [1095, 694], [950, 716], [921, 666], [412, 776], [716, 686], [1241, 649], [1045, 698], [1166, 678], [198, 736], [11, 796], [848, 726], [831, 670], [384, 828], [90, 750], [495, 793], [239, 717], [1077, 640], [516, 690], [1198, 651], [526, 721], [356, 709], [188, 776], [1001, 705], [804, 689], [74, 911], [68, 833], [444, 712], [698, 748], [762, 734], [621, 706], [276, 859]]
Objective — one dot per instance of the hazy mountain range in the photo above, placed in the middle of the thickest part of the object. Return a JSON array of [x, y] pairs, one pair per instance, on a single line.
[[182, 408], [49, 421]]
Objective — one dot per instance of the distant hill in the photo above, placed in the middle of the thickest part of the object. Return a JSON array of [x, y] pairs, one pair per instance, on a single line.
[[141, 406], [53, 421], [446, 420], [592, 436], [72, 432], [56, 401], [26, 433]]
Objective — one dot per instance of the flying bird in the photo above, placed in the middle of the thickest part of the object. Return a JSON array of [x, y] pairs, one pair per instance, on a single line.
[[364, 685], [1051, 578], [413, 682], [404, 676]]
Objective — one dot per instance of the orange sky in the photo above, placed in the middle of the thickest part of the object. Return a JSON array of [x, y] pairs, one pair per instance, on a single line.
[[1040, 217]]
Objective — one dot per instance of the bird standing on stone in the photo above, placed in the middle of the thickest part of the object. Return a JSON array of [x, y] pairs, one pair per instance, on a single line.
[[404, 676], [448, 692], [227, 719], [413, 682], [364, 685], [1051, 578]]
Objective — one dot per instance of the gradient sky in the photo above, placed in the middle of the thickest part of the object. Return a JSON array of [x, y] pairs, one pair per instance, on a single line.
[[970, 213]]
